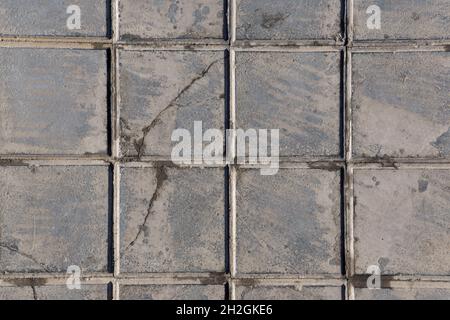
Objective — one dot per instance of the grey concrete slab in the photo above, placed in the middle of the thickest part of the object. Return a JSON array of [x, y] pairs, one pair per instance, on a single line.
[[297, 93], [54, 292], [401, 221], [403, 20], [172, 292], [172, 19], [400, 104], [172, 220], [49, 18], [288, 223], [161, 91], [288, 292], [53, 101], [403, 294], [289, 20], [54, 217]]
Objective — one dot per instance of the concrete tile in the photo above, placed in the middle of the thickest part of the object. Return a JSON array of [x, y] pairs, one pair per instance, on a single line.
[[54, 292], [289, 20], [161, 91], [401, 104], [288, 292], [172, 19], [401, 221], [53, 217], [288, 223], [49, 18], [53, 101], [298, 93], [172, 220], [402, 294], [403, 20], [172, 292]]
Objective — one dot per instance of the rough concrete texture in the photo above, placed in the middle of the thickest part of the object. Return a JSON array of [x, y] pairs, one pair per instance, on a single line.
[[403, 294], [161, 91], [404, 19], [54, 292], [172, 220], [290, 292], [171, 19], [49, 18], [53, 101], [172, 292], [297, 93], [53, 217], [402, 222], [294, 228], [289, 20], [401, 104]]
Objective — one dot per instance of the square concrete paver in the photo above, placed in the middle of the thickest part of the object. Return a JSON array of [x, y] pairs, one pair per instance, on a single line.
[[49, 18], [401, 104], [172, 220], [172, 292], [161, 91], [403, 20], [53, 292], [403, 294], [172, 19], [289, 223], [297, 93], [289, 20], [402, 221], [288, 292], [53, 217], [53, 101]]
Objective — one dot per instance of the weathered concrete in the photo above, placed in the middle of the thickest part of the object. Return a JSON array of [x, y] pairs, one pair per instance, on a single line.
[[172, 220], [289, 19], [404, 19], [297, 93], [172, 292], [288, 223], [402, 222], [53, 217], [54, 292], [290, 292], [53, 101], [403, 294], [401, 104], [161, 91], [49, 18], [171, 19]]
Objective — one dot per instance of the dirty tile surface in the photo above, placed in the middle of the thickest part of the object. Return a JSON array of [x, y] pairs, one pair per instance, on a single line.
[[297, 93], [403, 20], [172, 292], [53, 102], [166, 229], [161, 91], [49, 18], [402, 222], [294, 228], [400, 105], [403, 294], [53, 217], [172, 19], [288, 293], [53, 292], [289, 20]]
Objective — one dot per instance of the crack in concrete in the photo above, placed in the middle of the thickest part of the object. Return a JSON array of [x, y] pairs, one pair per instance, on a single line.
[[161, 176], [139, 144], [25, 255]]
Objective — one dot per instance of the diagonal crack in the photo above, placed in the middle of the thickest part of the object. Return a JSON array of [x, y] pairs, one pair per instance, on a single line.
[[161, 176], [28, 256], [139, 144]]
